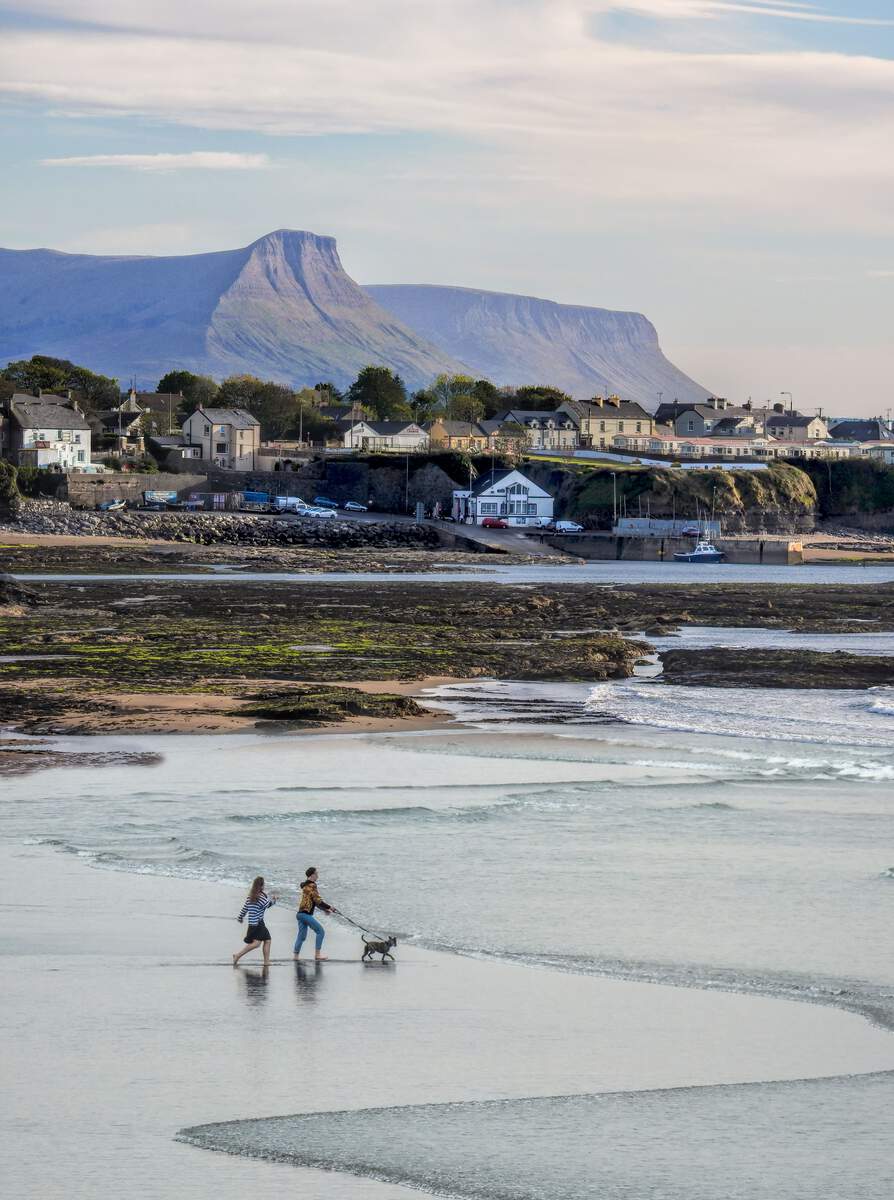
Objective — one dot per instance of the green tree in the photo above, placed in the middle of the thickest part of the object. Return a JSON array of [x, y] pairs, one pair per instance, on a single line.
[[198, 391], [539, 397], [382, 392], [328, 393], [274, 405], [59, 375], [10, 499], [465, 408], [423, 406], [491, 397]]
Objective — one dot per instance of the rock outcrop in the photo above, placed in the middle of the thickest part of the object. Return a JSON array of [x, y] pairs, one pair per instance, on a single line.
[[521, 339]]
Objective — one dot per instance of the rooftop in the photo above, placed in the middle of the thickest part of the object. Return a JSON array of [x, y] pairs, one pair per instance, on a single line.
[[237, 417], [46, 412]]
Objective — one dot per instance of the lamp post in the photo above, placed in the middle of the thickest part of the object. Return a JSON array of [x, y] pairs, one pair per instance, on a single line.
[[791, 401], [614, 476]]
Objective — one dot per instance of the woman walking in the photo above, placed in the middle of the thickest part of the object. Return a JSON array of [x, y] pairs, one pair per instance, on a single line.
[[310, 900], [255, 907]]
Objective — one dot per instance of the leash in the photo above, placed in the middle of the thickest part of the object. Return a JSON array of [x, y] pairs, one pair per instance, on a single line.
[[356, 924]]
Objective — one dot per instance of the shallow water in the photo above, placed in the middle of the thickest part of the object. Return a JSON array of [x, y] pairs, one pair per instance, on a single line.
[[489, 572], [726, 839]]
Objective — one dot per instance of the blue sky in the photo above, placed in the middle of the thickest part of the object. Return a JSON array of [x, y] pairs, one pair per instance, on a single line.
[[724, 166]]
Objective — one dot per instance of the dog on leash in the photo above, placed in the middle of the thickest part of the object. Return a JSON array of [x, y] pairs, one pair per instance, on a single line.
[[383, 948]]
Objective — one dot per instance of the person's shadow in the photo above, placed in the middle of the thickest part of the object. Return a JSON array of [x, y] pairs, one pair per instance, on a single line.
[[308, 978], [256, 980]]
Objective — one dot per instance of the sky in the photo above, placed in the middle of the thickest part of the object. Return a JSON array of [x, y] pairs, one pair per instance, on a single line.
[[724, 166]]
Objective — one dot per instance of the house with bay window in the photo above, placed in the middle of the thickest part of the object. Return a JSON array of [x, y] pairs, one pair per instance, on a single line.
[[506, 494]]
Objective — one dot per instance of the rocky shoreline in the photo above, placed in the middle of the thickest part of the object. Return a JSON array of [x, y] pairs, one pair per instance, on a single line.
[[726, 668]]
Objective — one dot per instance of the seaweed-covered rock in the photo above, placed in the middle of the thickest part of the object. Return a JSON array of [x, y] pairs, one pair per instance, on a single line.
[[776, 669], [10, 497]]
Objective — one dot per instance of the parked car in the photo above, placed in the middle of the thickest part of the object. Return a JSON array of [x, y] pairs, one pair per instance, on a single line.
[[568, 527], [691, 531], [324, 502], [355, 506], [541, 523], [318, 512], [494, 523]]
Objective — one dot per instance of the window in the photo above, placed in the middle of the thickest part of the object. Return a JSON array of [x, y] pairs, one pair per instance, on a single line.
[[58, 435], [620, 427], [76, 437], [690, 425], [80, 456], [206, 428], [639, 427], [602, 426], [486, 508], [220, 447]]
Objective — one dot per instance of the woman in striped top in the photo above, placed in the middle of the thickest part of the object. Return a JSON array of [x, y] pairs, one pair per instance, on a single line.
[[255, 907]]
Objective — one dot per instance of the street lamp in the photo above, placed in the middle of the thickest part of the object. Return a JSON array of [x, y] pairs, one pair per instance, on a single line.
[[791, 401], [614, 476]]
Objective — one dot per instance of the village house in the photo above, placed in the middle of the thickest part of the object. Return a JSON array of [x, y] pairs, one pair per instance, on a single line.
[[477, 437], [600, 421], [509, 495], [119, 430], [795, 427], [228, 437], [718, 418], [403, 436], [873, 429], [47, 431], [544, 430], [162, 410]]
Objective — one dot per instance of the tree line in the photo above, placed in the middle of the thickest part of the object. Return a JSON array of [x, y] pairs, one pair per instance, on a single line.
[[285, 413]]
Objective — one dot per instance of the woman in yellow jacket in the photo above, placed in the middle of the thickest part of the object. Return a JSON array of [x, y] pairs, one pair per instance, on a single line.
[[309, 901]]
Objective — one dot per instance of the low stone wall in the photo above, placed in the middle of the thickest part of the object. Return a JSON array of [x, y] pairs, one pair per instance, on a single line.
[[89, 491]]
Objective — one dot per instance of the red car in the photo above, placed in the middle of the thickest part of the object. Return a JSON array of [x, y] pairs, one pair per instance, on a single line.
[[494, 523]]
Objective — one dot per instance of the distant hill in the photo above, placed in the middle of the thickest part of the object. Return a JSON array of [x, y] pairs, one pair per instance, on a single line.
[[282, 308], [520, 339], [285, 309]]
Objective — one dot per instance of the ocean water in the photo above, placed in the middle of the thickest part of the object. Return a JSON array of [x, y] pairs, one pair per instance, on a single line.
[[726, 839]]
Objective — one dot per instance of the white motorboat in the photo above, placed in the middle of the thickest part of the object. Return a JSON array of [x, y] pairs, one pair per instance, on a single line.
[[704, 552]]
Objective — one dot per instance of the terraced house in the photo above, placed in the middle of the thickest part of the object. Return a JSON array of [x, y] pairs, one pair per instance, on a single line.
[[600, 421]]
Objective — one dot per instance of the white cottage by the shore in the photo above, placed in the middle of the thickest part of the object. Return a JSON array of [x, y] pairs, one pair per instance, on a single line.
[[506, 494]]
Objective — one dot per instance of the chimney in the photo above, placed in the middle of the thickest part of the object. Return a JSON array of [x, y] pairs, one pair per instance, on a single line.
[[778, 408], [598, 402], [614, 401], [747, 406]]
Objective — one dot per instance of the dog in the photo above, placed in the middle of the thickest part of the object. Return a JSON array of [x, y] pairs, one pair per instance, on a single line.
[[383, 948]]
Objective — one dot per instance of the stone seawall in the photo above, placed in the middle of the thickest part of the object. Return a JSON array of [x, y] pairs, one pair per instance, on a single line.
[[757, 550], [89, 491]]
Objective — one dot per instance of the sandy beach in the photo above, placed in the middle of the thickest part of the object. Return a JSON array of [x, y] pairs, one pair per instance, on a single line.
[[125, 1022]]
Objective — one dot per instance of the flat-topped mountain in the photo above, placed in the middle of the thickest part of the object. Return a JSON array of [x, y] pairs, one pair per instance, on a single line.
[[520, 339], [285, 309]]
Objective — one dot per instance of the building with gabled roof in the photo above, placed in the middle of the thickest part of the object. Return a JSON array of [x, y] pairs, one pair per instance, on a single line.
[[228, 437], [506, 494], [47, 431]]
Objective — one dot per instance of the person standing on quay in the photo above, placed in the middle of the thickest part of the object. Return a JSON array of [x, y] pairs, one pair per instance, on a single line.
[[309, 901], [255, 907]]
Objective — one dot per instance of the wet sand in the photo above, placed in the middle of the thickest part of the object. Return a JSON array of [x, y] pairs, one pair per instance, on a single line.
[[124, 1022]]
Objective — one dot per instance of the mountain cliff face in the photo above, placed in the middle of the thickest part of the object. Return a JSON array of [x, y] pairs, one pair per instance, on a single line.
[[520, 339], [282, 308], [285, 309]]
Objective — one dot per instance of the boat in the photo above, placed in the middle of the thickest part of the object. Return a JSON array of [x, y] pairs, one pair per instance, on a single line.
[[704, 552]]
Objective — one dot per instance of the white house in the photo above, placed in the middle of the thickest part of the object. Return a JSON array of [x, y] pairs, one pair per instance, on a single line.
[[544, 430], [507, 494], [404, 436], [228, 437], [47, 431]]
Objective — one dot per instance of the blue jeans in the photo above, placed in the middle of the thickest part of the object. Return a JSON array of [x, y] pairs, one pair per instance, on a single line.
[[305, 922]]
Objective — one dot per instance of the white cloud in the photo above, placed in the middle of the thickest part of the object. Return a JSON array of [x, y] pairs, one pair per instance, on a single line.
[[196, 160], [521, 91]]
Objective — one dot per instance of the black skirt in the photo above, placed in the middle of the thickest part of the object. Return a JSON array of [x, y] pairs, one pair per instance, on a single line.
[[257, 933]]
